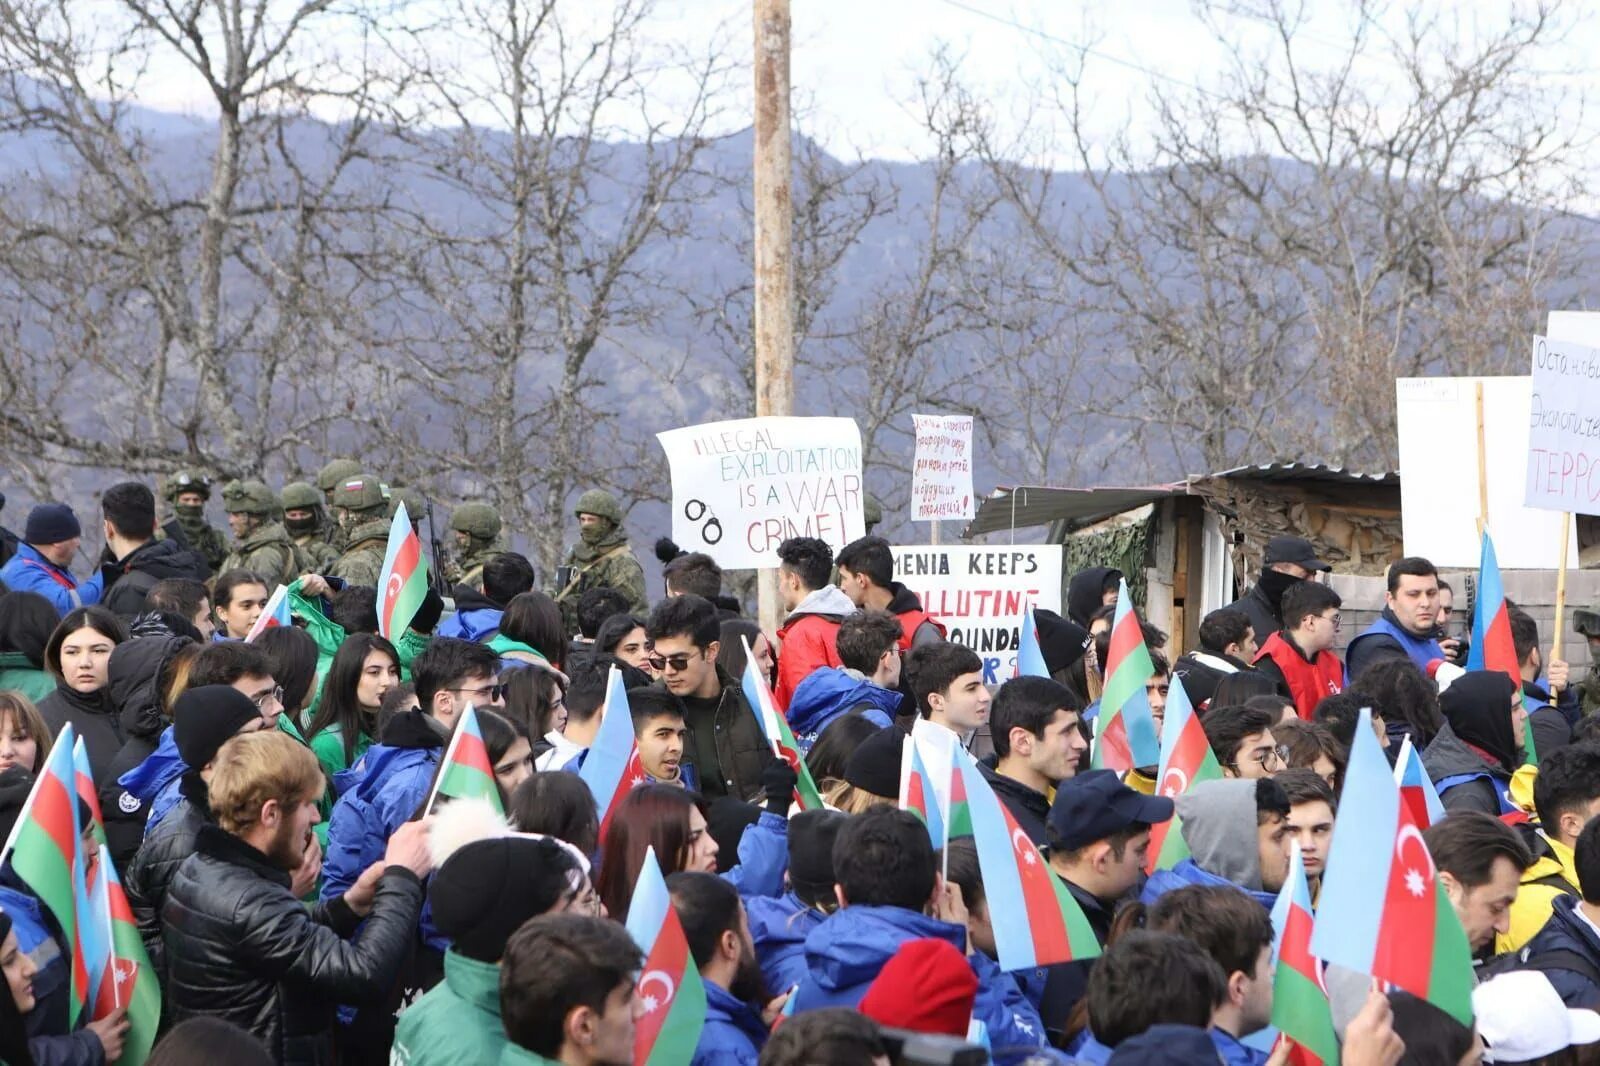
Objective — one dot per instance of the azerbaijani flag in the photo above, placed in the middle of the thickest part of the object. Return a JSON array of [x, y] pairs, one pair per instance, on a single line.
[[670, 998], [403, 581], [83, 783], [917, 794], [46, 851], [1416, 790], [1036, 921], [1030, 657], [95, 932], [466, 772], [136, 987], [273, 616], [1492, 645], [776, 729], [612, 768], [1300, 1008], [1125, 733], [1186, 760], [1382, 910], [959, 821]]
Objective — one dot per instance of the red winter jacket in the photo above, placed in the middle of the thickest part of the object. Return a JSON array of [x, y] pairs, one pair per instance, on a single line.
[[809, 639], [1308, 680]]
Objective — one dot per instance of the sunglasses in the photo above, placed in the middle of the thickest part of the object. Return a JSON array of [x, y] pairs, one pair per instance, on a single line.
[[677, 663], [490, 693]]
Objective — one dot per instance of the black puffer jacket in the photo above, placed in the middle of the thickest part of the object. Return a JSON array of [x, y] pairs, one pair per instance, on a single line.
[[150, 873], [240, 947], [144, 567], [133, 680]]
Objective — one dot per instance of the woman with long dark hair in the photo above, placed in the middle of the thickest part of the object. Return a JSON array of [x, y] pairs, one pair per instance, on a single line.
[[364, 668], [664, 817], [79, 655], [16, 999], [533, 619]]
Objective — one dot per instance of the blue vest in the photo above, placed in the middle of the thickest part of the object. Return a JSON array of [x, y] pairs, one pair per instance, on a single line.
[[1422, 650], [1502, 789]]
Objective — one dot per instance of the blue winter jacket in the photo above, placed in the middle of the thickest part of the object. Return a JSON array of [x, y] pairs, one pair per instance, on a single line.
[[779, 928], [51, 1039], [28, 571], [1235, 1053], [1566, 931], [733, 1031], [155, 781], [848, 949], [831, 693], [1188, 873], [476, 624], [999, 996]]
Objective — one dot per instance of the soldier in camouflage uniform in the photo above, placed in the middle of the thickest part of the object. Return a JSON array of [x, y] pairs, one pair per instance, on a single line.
[[416, 506], [476, 527], [362, 505], [188, 492], [1587, 623], [328, 479], [308, 523], [601, 559], [261, 543]]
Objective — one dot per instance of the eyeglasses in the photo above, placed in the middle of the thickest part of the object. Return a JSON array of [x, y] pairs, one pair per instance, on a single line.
[[677, 663], [262, 701], [1279, 755], [490, 693], [1337, 620]]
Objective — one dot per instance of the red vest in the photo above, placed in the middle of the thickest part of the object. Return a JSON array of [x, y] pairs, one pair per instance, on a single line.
[[1308, 682], [911, 621]]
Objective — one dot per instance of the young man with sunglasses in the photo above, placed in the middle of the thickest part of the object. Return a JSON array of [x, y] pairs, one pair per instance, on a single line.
[[724, 742]]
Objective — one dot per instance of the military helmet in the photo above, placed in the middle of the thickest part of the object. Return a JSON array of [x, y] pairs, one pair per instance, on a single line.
[[249, 497], [600, 502], [476, 519], [415, 503], [301, 496], [188, 481], [337, 470], [363, 492]]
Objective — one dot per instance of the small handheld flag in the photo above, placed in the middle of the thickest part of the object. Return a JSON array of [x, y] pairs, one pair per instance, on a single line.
[[917, 794], [1125, 737], [465, 771], [135, 985], [1186, 760], [612, 768], [1382, 910], [83, 782], [403, 581], [671, 997], [1492, 645], [1416, 788], [274, 615], [775, 727], [1300, 1008], [1030, 656]]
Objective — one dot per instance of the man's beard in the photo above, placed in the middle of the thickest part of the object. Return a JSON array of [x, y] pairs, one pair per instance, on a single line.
[[748, 984], [288, 847]]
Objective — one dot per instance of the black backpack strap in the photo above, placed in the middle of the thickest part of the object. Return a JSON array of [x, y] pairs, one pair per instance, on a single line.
[[1564, 959]]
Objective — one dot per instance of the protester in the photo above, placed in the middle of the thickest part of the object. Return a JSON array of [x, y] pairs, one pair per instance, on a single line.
[[809, 635], [1522, 1019], [138, 560], [531, 631], [925, 987], [621, 639], [239, 596], [241, 947], [26, 622], [1480, 862], [871, 774], [1311, 746], [1300, 655], [1431, 1035], [1471, 761], [594, 607], [79, 656], [509, 750], [1286, 561], [952, 700], [1089, 590], [535, 701], [1567, 949], [364, 668], [692, 574], [779, 925], [1238, 834], [24, 738], [866, 575], [1407, 627], [1408, 698], [1566, 797], [866, 681], [670, 820], [583, 701], [481, 603], [718, 932], [293, 657], [1549, 719], [833, 1036], [1124, 1001], [601, 558], [557, 805], [1341, 716], [1227, 646], [1033, 724], [1243, 742], [49, 541], [1312, 808], [567, 992], [830, 755], [202, 1041], [141, 682], [731, 659], [658, 736]]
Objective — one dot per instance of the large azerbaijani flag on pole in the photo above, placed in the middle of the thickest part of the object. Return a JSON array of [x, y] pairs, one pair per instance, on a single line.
[[1186, 760], [1030, 656], [1300, 1010], [1382, 910], [465, 771], [403, 581], [1125, 733], [1492, 645], [1036, 921], [612, 769], [669, 997], [775, 727]]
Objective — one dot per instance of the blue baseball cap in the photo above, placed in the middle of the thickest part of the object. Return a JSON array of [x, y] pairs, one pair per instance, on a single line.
[[1094, 805]]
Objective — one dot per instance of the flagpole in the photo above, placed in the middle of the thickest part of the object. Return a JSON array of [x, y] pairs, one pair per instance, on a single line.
[[111, 930], [444, 763], [1561, 595], [1483, 467]]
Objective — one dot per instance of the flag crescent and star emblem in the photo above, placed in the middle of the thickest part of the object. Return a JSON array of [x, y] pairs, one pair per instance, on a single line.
[[1024, 846], [1175, 783], [1416, 881], [658, 977]]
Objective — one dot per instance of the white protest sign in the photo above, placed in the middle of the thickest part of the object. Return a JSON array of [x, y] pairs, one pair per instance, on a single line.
[[979, 593], [941, 471], [741, 488], [1438, 429], [1564, 428]]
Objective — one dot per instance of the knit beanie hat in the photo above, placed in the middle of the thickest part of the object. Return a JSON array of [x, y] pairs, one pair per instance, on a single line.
[[51, 523], [486, 890], [811, 837], [875, 764], [205, 718], [926, 987]]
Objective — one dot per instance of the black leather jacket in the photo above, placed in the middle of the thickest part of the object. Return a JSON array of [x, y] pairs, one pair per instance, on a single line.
[[157, 860], [240, 947]]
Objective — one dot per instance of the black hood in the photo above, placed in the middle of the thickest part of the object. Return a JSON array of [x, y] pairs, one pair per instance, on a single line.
[[1271, 587], [1478, 707], [413, 730], [902, 599], [133, 681], [162, 559], [1086, 591], [470, 599]]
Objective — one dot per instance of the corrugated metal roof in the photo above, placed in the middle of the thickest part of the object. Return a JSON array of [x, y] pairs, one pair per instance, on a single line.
[[1306, 472]]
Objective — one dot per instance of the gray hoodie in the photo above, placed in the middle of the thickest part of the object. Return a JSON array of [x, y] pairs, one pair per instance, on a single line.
[[1219, 825]]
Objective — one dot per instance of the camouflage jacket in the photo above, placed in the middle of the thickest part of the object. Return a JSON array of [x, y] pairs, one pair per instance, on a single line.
[[468, 570], [322, 554], [362, 561], [206, 540], [269, 552], [609, 564]]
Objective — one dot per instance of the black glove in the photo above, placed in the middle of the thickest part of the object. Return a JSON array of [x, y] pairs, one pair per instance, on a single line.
[[777, 783], [429, 613]]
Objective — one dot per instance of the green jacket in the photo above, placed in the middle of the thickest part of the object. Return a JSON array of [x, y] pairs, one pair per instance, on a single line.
[[362, 562], [269, 552], [328, 746], [608, 564], [456, 1023], [18, 675]]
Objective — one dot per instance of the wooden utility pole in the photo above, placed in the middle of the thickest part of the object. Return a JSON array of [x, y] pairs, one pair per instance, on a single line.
[[774, 296]]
